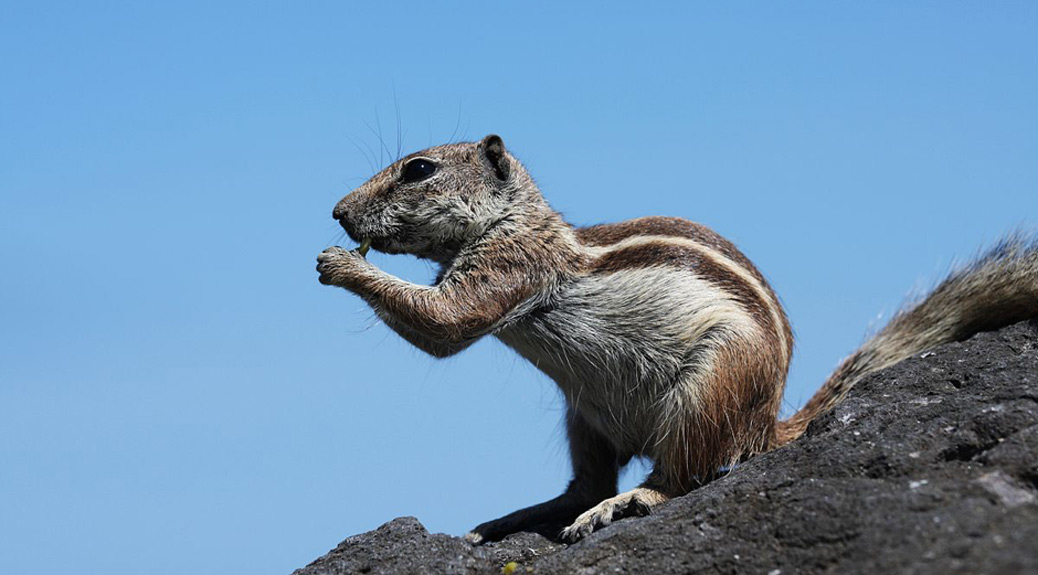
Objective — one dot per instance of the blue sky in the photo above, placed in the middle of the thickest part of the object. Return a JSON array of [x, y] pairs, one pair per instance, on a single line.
[[179, 394]]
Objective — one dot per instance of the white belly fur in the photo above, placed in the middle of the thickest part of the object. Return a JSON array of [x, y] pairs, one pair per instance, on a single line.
[[616, 343]]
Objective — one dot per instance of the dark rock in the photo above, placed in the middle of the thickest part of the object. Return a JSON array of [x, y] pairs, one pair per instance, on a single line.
[[401, 546], [930, 466]]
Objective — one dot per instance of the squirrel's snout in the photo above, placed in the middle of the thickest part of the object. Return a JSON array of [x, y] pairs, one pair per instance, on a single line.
[[339, 212], [341, 215], [348, 226]]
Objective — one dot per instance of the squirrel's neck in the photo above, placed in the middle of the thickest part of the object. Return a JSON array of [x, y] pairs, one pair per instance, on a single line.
[[534, 239]]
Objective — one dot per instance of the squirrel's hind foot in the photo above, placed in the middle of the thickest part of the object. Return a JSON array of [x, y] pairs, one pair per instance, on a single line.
[[637, 502]]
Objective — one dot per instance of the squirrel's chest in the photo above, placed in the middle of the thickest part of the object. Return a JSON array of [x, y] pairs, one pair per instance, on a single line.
[[615, 342]]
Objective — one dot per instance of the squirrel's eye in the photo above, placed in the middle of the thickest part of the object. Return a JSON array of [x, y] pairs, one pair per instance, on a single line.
[[417, 170]]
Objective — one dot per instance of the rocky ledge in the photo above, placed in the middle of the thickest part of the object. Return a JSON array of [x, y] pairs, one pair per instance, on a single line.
[[930, 466]]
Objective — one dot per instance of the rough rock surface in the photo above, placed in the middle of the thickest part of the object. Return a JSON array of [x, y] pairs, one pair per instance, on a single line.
[[930, 466]]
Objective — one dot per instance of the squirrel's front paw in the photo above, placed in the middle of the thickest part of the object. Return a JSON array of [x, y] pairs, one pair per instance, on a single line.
[[336, 265]]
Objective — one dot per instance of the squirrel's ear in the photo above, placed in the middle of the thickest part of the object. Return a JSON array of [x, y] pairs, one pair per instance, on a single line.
[[492, 150]]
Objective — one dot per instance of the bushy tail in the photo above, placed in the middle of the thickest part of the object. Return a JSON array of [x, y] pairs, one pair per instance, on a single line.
[[998, 289]]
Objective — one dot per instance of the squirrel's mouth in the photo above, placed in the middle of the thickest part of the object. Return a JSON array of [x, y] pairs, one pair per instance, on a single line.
[[365, 245], [368, 243]]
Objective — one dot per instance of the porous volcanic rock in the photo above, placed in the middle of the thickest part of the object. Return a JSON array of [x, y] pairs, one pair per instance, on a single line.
[[930, 466]]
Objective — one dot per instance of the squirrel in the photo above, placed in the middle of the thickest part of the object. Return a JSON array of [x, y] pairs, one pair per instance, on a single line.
[[665, 340]]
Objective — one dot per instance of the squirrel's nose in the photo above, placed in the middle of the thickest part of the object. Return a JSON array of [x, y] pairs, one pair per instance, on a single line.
[[340, 210]]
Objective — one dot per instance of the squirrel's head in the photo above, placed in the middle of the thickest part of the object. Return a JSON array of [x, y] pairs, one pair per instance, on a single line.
[[433, 202]]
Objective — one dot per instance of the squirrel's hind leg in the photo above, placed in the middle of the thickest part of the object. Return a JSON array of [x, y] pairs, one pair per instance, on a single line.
[[545, 518], [596, 466]]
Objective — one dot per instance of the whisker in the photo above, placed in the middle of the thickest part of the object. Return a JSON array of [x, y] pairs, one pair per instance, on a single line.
[[370, 160], [375, 133], [457, 124], [381, 139], [465, 132], [399, 136], [338, 238], [376, 164]]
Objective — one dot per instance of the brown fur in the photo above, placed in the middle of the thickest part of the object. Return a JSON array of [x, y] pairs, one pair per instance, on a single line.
[[681, 257], [609, 234], [703, 399]]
